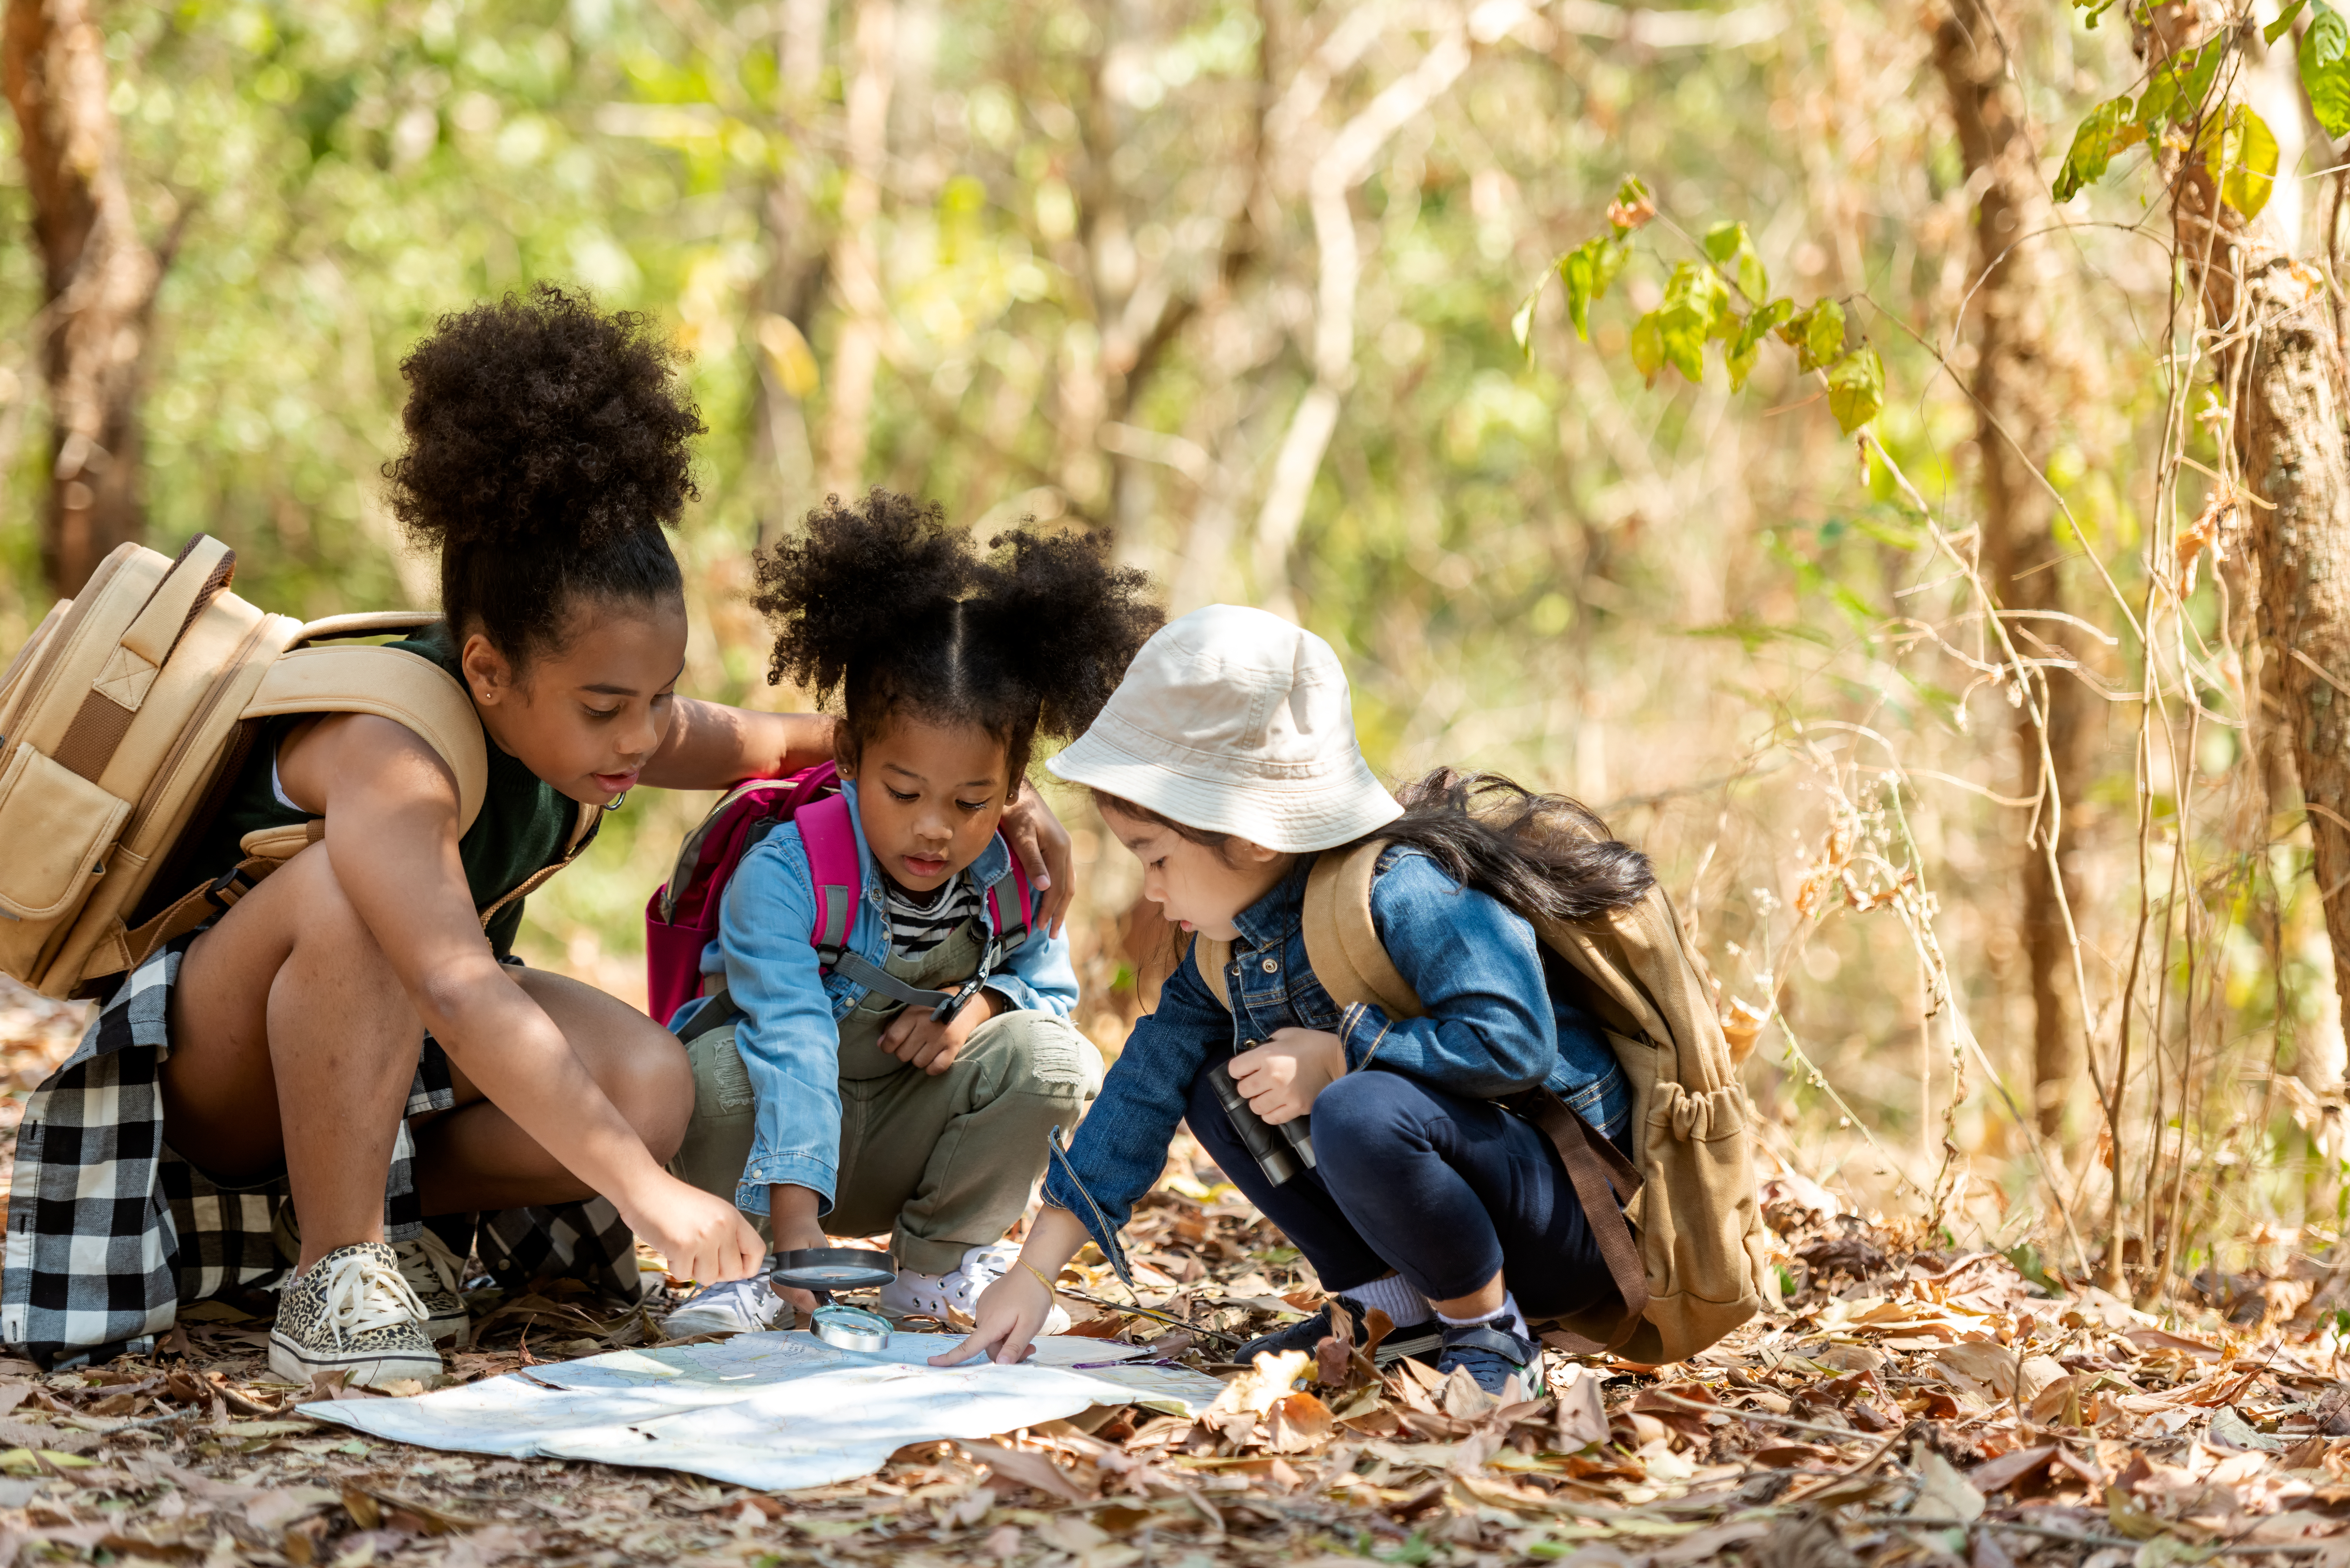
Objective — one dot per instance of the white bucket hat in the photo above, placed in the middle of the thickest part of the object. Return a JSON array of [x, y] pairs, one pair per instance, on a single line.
[[1233, 721]]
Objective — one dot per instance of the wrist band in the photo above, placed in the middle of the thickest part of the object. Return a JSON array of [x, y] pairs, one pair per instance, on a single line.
[[1040, 1276]]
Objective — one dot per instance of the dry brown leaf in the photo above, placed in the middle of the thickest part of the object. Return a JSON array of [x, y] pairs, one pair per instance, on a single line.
[[1581, 1418], [1033, 1470], [1298, 1424], [1461, 1399]]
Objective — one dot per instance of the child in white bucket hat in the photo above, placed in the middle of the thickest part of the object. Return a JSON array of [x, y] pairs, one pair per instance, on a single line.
[[1226, 762]]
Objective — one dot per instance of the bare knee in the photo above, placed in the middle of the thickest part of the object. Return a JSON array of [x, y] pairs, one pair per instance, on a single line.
[[651, 1081]]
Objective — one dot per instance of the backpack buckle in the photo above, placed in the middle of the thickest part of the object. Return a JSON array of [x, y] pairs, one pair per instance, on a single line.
[[216, 891], [945, 1011]]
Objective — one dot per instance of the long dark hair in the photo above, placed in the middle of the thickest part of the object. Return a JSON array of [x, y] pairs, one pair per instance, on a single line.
[[1548, 857]]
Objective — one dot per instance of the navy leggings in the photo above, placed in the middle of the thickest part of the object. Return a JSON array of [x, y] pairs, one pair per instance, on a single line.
[[1443, 1189]]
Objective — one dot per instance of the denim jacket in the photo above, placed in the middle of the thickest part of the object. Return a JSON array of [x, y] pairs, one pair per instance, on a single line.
[[1492, 1026], [789, 1034]]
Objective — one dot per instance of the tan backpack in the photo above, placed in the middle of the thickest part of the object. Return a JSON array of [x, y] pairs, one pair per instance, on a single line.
[[1690, 1265], [124, 721]]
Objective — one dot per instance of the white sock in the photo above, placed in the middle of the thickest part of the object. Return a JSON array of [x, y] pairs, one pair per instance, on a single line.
[[1510, 1318], [1394, 1296]]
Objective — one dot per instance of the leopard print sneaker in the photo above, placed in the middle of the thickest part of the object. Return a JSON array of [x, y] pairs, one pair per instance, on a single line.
[[429, 1264], [433, 1271], [351, 1313]]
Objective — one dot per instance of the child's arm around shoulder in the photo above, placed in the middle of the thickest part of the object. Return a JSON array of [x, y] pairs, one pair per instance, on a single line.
[[789, 1043], [1039, 976], [1488, 1028]]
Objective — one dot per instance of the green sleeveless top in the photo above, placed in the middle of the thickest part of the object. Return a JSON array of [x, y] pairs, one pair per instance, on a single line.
[[524, 823]]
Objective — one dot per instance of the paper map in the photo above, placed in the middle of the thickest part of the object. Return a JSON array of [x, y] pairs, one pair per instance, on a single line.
[[775, 1411]]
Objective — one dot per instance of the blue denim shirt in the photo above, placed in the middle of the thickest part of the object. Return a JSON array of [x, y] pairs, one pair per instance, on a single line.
[[1492, 1027], [790, 1037]]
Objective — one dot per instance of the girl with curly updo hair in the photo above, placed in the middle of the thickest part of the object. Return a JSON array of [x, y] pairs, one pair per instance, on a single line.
[[548, 453], [907, 1067]]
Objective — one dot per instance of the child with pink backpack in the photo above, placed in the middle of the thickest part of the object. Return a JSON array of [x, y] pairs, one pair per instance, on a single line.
[[882, 1041]]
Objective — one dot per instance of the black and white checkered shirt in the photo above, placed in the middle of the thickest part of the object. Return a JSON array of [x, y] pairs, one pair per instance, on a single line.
[[110, 1230]]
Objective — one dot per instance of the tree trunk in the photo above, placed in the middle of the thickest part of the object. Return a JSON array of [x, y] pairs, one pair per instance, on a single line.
[[2276, 351], [784, 299], [99, 281], [2017, 419], [856, 261]]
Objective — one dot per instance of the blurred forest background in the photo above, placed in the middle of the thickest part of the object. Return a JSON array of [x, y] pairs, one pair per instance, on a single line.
[[2017, 911]]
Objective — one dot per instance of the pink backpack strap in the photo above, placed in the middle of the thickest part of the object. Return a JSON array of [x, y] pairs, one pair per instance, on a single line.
[[1011, 936], [830, 840]]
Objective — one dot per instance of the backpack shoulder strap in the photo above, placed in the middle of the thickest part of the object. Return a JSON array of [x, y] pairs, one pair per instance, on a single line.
[[1208, 957], [1343, 943], [1013, 933], [392, 683], [830, 840]]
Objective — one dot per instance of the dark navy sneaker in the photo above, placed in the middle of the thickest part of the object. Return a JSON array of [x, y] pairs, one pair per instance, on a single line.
[[1421, 1340], [1491, 1356]]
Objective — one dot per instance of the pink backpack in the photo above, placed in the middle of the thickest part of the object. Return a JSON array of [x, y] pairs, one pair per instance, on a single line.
[[681, 917]]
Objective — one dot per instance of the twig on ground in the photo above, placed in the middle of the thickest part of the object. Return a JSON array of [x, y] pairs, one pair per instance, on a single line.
[[1137, 1307]]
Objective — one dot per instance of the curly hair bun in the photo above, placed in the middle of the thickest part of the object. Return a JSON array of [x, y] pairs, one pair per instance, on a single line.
[[885, 603], [548, 445], [859, 577], [1068, 620]]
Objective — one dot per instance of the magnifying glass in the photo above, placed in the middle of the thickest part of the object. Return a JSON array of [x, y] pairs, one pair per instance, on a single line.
[[820, 1271]]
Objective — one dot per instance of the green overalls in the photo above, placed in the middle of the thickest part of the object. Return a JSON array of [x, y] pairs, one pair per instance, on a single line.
[[945, 1161]]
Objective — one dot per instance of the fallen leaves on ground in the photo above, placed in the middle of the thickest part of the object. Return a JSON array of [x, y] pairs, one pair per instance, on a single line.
[[1909, 1406]]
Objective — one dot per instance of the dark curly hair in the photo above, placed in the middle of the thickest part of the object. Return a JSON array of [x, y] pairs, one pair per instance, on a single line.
[[884, 602], [546, 451]]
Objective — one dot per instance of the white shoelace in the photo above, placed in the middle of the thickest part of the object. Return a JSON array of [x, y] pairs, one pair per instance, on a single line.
[[442, 1260], [364, 1293]]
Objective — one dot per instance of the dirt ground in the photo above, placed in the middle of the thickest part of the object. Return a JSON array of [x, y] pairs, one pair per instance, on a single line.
[[1908, 1406]]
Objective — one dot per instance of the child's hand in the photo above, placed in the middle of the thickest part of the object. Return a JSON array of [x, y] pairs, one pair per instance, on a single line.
[[1010, 1312], [1037, 837], [914, 1037], [792, 1221], [1283, 1076], [704, 1239]]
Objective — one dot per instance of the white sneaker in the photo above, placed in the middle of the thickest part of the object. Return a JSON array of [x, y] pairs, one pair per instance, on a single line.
[[736, 1306], [351, 1313], [913, 1294]]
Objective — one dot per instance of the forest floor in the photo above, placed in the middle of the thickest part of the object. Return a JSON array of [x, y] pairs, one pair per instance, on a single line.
[[1908, 1406]]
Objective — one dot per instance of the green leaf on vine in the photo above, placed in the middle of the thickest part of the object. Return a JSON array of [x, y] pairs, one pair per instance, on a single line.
[[1739, 357], [1521, 321], [2242, 154], [1817, 334], [1587, 271], [2284, 24], [1856, 388], [1728, 245], [2175, 95], [1647, 347], [2108, 131], [2325, 68], [1696, 307]]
